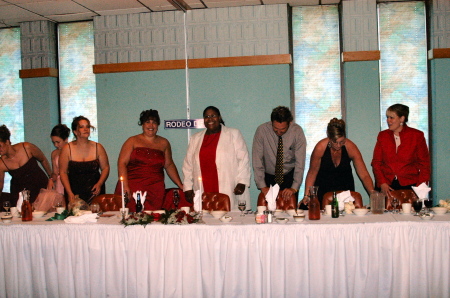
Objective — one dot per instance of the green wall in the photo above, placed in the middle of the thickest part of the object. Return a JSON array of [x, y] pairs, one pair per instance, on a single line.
[[245, 96]]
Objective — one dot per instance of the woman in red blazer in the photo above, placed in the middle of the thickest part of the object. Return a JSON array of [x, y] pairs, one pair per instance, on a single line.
[[400, 158]]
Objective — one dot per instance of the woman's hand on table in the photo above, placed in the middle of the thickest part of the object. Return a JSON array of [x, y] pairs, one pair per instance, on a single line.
[[189, 195], [287, 193], [385, 188], [239, 189]]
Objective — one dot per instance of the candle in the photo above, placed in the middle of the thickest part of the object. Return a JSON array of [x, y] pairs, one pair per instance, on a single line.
[[200, 183], [123, 194]]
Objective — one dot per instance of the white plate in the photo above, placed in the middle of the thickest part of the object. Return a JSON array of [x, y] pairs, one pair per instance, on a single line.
[[403, 213]]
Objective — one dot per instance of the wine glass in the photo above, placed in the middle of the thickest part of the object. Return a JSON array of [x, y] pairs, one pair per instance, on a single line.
[[176, 198], [394, 203], [241, 206], [428, 204], [95, 208], [417, 205], [7, 205]]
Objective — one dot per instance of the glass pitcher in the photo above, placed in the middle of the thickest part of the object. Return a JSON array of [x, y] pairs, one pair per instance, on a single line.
[[314, 204], [27, 210], [377, 202]]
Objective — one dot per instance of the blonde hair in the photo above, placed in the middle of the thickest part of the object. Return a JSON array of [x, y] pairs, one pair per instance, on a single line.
[[336, 129]]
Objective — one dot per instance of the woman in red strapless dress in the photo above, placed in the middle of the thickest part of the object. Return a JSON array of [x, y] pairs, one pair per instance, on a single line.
[[142, 161]]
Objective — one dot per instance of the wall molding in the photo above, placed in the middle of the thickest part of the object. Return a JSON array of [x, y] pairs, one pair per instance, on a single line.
[[360, 56], [439, 53], [193, 63], [38, 73]]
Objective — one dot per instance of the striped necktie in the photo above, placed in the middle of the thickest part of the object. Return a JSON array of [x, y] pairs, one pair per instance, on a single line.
[[279, 163]]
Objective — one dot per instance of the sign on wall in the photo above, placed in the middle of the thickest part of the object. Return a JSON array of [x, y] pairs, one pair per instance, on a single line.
[[184, 124]]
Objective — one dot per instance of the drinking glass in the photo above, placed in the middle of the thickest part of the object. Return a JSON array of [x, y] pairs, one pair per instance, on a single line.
[[241, 206], [6, 205], [394, 203], [428, 204], [176, 198], [417, 205], [95, 208]]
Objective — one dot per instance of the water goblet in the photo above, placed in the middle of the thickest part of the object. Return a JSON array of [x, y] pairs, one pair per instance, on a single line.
[[394, 203], [417, 205], [241, 206], [428, 204], [7, 205], [176, 198]]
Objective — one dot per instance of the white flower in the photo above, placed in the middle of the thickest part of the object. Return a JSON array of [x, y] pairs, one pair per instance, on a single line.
[[348, 207]]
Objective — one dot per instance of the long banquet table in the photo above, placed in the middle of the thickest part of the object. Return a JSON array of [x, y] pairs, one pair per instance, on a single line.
[[370, 256]]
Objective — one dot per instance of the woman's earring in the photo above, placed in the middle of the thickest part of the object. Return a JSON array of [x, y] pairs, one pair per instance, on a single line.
[[329, 144], [401, 123]]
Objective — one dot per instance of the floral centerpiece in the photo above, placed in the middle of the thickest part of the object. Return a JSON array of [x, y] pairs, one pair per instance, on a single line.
[[169, 217], [77, 206], [445, 204]]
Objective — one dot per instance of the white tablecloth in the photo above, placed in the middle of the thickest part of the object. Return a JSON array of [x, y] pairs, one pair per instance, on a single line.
[[397, 256]]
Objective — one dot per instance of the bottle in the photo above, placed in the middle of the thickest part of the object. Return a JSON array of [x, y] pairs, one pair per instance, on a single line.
[[27, 211], [314, 204], [335, 206], [138, 203]]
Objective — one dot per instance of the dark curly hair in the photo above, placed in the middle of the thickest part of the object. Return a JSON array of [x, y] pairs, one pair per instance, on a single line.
[[281, 114], [5, 134], [336, 129], [60, 130], [149, 115]]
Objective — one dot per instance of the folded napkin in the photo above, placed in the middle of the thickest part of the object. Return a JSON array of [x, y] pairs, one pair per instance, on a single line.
[[271, 197], [197, 201], [343, 197], [92, 217], [143, 196], [19, 202], [422, 191]]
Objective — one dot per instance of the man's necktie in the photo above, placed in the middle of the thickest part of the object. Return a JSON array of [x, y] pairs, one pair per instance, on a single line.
[[279, 163]]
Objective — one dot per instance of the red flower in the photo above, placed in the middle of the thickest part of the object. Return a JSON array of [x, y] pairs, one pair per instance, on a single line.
[[189, 218], [156, 216]]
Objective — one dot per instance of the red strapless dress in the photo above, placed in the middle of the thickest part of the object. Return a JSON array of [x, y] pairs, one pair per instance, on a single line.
[[146, 173]]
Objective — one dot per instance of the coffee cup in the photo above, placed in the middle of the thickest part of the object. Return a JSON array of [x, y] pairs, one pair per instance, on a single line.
[[406, 208], [185, 209], [328, 209], [261, 209], [60, 210], [14, 212], [126, 211]]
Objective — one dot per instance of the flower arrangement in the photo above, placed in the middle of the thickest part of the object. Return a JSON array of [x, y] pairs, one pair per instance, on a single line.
[[77, 206], [170, 217], [349, 207], [445, 203]]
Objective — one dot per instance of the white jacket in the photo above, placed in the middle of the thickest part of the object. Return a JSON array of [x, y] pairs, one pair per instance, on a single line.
[[232, 161]]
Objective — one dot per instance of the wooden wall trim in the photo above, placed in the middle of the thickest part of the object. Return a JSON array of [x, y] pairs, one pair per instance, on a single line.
[[360, 56], [193, 63], [38, 73], [441, 53]]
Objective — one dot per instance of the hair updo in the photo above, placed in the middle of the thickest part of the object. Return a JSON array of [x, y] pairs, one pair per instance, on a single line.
[[336, 129], [61, 131], [5, 134], [149, 115]]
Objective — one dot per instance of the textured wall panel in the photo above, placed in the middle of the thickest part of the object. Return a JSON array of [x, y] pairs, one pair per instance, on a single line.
[[440, 24], [212, 33], [38, 44], [359, 25]]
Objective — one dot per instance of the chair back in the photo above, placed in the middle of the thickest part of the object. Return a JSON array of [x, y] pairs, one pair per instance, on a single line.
[[403, 196], [328, 198], [108, 202], [168, 199], [216, 201], [281, 203]]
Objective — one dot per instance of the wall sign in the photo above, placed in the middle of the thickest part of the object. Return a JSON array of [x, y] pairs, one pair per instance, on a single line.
[[184, 124]]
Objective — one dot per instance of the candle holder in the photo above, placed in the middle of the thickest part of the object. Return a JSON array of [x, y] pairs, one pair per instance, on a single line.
[[124, 213]]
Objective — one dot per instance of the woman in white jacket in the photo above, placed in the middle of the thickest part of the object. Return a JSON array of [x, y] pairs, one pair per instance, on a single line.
[[218, 158]]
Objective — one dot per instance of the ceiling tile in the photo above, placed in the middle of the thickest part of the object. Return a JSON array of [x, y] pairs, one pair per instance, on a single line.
[[122, 11], [227, 3], [73, 17], [102, 5], [303, 2], [9, 12], [54, 7], [158, 5]]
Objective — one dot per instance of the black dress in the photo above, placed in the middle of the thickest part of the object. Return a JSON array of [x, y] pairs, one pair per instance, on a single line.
[[83, 175], [332, 178]]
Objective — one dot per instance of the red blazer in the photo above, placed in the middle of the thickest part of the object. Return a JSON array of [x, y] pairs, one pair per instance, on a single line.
[[411, 163]]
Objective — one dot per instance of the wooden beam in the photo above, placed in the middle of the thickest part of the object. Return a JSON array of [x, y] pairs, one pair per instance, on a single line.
[[360, 56], [441, 53], [38, 73], [193, 63]]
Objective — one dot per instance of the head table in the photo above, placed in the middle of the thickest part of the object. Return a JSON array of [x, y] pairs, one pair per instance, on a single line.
[[387, 255]]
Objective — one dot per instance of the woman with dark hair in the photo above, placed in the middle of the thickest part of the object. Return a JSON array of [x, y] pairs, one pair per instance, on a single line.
[[219, 156], [400, 158], [83, 164], [142, 161], [330, 164], [21, 162], [60, 137]]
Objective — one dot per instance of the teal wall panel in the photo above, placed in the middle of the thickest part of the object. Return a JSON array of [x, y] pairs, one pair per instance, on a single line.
[[244, 95], [362, 93]]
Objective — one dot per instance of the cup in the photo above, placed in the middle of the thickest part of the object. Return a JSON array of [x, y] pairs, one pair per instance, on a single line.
[[126, 210], [186, 209], [261, 209], [95, 208], [60, 210], [406, 208], [14, 212], [328, 209]]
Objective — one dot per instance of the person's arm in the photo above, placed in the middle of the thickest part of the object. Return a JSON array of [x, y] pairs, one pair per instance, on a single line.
[[314, 166], [243, 170], [104, 168], [258, 161], [360, 167], [63, 171], [170, 167], [122, 163], [188, 167], [55, 167], [2, 179], [300, 157], [423, 161], [39, 155]]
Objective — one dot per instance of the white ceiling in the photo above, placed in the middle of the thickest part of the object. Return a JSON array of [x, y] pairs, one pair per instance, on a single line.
[[12, 12]]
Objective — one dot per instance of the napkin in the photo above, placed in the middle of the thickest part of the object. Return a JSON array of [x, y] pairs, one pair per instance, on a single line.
[[19, 202], [197, 201], [422, 191], [343, 197], [143, 196], [92, 217], [271, 197]]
